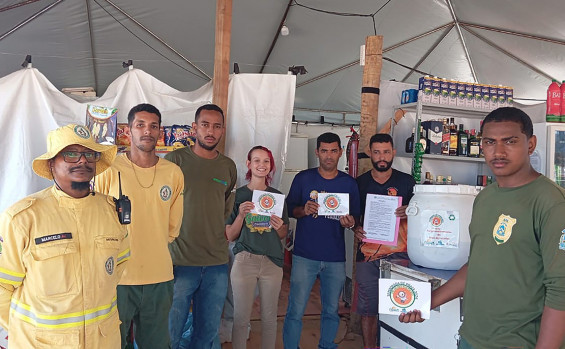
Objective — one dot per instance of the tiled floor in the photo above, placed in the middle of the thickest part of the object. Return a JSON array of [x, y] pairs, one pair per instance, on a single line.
[[311, 323]]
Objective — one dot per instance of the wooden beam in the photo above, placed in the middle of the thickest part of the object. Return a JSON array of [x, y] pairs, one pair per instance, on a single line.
[[222, 60], [370, 96], [369, 121]]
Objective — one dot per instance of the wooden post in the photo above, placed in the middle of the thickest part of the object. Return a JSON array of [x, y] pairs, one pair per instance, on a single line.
[[369, 121], [370, 96], [222, 60]]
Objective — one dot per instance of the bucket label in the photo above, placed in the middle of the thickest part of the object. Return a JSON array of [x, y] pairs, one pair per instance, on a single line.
[[442, 229]]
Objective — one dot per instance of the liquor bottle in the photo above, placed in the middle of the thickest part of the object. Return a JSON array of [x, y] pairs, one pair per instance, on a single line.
[[474, 145], [429, 178], [453, 137], [445, 137], [449, 182], [409, 148], [423, 141], [439, 180], [462, 139]]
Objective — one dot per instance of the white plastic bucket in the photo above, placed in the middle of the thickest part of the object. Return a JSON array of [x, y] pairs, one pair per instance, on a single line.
[[438, 225]]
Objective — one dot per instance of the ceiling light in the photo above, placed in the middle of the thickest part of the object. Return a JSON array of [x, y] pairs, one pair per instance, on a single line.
[[284, 30]]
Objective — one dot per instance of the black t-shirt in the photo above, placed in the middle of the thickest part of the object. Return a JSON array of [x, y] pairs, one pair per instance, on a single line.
[[399, 184]]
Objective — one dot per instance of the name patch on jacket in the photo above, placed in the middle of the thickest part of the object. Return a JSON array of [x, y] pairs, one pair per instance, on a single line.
[[54, 237]]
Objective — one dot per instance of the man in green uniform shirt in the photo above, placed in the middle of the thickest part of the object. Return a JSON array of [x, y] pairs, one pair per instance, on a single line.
[[514, 282], [200, 253]]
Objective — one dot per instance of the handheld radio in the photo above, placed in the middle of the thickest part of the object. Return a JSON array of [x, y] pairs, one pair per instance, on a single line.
[[123, 205]]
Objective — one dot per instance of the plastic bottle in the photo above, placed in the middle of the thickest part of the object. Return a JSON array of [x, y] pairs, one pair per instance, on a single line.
[[553, 111], [562, 116]]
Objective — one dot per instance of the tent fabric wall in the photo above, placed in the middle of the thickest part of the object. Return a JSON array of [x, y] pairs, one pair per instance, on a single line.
[[31, 106], [260, 113], [136, 86]]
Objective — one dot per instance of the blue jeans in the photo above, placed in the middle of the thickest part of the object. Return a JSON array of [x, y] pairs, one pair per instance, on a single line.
[[206, 288], [302, 277]]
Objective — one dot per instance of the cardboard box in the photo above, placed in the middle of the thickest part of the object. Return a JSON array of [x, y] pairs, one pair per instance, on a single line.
[[509, 95], [493, 91], [477, 96], [444, 92], [486, 96], [461, 100], [433, 133], [469, 95], [501, 94], [425, 85], [452, 86], [436, 90]]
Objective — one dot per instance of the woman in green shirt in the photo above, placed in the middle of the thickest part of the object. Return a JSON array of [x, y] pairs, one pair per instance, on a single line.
[[258, 252]]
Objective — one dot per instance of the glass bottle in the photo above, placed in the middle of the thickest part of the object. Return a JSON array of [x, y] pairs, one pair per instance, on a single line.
[[409, 148], [474, 145], [445, 137], [453, 138], [462, 139], [423, 141]]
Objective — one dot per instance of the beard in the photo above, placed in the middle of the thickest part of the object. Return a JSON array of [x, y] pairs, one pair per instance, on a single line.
[[144, 146], [382, 169], [205, 146], [80, 186]]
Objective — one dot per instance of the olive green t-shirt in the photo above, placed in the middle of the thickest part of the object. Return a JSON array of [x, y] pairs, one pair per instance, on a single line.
[[208, 184], [516, 265], [256, 235]]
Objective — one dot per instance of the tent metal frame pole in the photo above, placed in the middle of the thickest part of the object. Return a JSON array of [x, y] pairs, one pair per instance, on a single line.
[[19, 4], [426, 55], [156, 37], [277, 34], [94, 70], [349, 65], [458, 27], [414, 38], [509, 32], [327, 111], [500, 49], [29, 19]]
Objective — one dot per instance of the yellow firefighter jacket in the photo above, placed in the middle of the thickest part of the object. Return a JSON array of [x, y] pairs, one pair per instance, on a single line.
[[60, 261]]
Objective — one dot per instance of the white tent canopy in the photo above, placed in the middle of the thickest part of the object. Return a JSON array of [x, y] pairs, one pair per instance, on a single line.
[[519, 43]]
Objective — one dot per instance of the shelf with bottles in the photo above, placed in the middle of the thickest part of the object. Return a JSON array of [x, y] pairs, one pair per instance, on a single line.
[[444, 110], [453, 158]]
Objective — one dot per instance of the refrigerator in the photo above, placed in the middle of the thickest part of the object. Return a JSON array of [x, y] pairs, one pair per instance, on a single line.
[[549, 156]]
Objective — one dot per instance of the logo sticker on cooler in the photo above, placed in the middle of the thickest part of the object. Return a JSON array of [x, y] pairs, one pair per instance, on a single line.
[[402, 294], [267, 201], [503, 229], [436, 220], [165, 192], [109, 265]]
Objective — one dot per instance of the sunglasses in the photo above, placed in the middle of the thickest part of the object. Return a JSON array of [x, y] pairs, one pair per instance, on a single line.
[[74, 156]]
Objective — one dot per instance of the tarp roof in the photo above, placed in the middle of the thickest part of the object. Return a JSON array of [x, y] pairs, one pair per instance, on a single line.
[[518, 43]]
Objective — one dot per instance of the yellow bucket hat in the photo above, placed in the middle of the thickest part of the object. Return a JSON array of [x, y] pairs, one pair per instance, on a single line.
[[67, 135]]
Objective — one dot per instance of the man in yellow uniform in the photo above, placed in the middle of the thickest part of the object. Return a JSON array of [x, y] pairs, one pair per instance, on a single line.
[[155, 188], [63, 252]]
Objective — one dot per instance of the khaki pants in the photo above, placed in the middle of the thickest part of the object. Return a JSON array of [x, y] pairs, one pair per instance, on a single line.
[[248, 271]]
